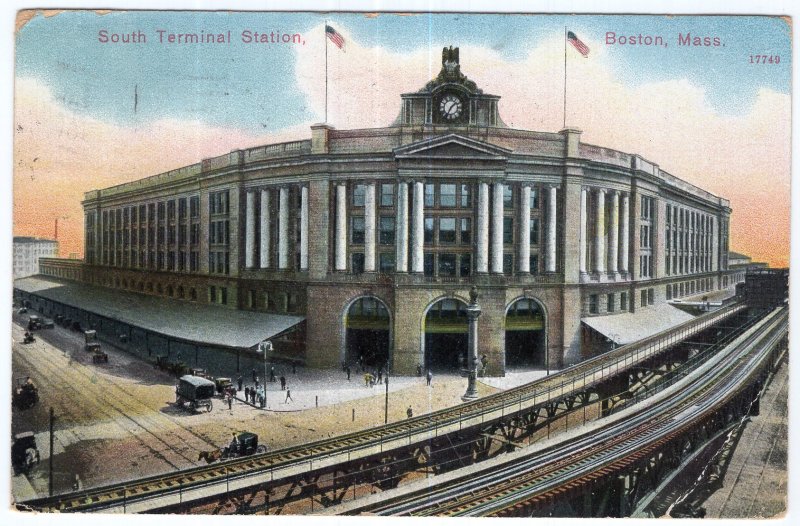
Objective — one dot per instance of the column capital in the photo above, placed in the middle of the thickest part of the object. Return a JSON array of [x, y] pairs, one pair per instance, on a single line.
[[601, 190]]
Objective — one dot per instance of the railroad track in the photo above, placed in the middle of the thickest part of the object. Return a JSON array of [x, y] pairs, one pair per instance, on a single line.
[[181, 486], [507, 486]]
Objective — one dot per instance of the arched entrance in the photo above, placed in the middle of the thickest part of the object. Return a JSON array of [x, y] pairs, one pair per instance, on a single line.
[[525, 334], [367, 324], [446, 331]]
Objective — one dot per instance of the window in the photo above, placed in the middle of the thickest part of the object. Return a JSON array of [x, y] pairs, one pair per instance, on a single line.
[[447, 264], [447, 195], [428, 236], [644, 298], [387, 195], [429, 195], [251, 298], [357, 263], [194, 207], [386, 261], [534, 264], [358, 195], [466, 232], [447, 230], [533, 224], [669, 292], [427, 264], [357, 230], [508, 230], [212, 294], [387, 231], [223, 296], [610, 303], [623, 301], [593, 304], [508, 197], [650, 296], [508, 263], [465, 268], [466, 197]]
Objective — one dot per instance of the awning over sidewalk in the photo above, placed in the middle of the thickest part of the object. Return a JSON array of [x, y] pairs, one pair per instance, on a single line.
[[205, 324], [633, 326]]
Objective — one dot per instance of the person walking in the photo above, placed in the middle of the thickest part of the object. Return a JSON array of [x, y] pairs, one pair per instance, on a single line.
[[230, 402], [247, 394], [430, 376], [288, 397], [239, 383], [271, 373], [254, 374], [380, 375], [409, 412], [253, 396], [347, 370], [283, 382], [257, 382]]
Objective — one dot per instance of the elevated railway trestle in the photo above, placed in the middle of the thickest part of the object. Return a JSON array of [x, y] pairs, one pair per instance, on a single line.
[[610, 469], [328, 472]]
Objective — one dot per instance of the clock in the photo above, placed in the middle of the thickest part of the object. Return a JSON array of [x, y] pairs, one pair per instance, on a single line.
[[450, 107]]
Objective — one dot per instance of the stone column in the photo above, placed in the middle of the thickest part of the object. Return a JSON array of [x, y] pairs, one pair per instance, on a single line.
[[250, 230], [497, 228], [599, 239], [418, 229], [265, 233], [625, 236], [613, 233], [341, 227], [401, 230], [283, 228], [304, 228], [369, 228], [524, 256], [482, 234], [552, 221], [584, 232]]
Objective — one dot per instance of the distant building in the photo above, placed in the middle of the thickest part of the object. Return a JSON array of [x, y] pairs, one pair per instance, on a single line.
[[742, 263], [28, 250]]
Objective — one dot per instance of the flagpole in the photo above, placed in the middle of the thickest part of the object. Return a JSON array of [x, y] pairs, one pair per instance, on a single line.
[[565, 77], [325, 34]]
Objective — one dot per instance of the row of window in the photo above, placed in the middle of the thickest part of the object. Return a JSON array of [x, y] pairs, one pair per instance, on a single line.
[[614, 302], [280, 302], [688, 288], [444, 195], [688, 241]]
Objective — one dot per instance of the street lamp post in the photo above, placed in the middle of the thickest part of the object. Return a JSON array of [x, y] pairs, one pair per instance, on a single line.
[[473, 311], [266, 348]]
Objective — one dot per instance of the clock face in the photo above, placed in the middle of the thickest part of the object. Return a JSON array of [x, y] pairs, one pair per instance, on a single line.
[[450, 107]]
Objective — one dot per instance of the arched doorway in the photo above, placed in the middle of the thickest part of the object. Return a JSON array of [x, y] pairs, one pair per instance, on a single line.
[[446, 331], [367, 332], [525, 334]]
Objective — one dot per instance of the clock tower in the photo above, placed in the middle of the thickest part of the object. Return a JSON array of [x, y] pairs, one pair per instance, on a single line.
[[451, 99]]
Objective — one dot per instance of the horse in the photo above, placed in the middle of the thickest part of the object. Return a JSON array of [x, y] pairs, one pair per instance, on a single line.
[[210, 456]]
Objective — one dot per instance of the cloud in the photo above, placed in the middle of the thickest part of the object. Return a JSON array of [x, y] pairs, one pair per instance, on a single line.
[[745, 158]]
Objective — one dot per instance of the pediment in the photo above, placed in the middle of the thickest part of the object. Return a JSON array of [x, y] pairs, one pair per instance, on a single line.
[[455, 147]]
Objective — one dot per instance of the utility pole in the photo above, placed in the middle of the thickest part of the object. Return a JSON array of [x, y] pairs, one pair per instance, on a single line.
[[50, 460], [386, 403]]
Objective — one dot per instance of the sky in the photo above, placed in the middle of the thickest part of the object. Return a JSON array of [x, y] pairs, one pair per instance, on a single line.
[[90, 114]]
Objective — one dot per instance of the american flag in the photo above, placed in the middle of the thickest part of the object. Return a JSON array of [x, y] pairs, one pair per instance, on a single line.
[[334, 36], [582, 48]]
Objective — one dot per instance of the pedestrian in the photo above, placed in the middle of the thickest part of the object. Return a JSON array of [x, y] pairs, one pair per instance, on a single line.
[[288, 397], [257, 382], [254, 374], [430, 376], [253, 396], [271, 373], [77, 485], [380, 375], [262, 401], [419, 369], [409, 412], [283, 382], [247, 394], [347, 370], [239, 382], [367, 378], [230, 403]]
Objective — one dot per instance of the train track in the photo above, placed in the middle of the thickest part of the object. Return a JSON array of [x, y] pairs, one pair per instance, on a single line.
[[182, 486], [505, 486]]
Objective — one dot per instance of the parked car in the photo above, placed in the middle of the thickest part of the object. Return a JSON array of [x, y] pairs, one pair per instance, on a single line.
[[194, 392]]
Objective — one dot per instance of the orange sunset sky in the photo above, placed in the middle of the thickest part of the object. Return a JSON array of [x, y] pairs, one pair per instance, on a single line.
[[60, 151]]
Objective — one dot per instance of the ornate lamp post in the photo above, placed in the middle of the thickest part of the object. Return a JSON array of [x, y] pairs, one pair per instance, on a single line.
[[266, 348], [473, 311]]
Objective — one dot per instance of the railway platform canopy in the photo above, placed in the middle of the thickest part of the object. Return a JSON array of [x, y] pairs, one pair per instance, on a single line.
[[629, 327], [173, 319]]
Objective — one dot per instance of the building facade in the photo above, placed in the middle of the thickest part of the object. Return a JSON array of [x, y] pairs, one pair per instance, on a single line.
[[28, 250], [377, 235]]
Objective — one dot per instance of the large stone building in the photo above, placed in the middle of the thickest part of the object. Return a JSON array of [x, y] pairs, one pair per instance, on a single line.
[[375, 236], [28, 250]]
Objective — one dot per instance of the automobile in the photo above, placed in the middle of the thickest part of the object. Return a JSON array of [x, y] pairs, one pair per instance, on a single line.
[[76, 326], [47, 323], [194, 392], [246, 444], [23, 310], [34, 323], [25, 394], [24, 453]]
